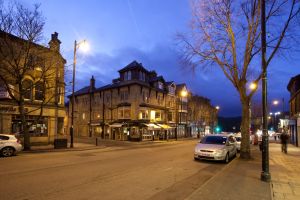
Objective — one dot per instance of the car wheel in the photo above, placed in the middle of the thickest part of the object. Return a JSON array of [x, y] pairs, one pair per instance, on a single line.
[[7, 151], [226, 160]]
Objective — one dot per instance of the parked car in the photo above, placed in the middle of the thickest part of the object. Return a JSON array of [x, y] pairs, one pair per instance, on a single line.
[[216, 147], [9, 145], [238, 139]]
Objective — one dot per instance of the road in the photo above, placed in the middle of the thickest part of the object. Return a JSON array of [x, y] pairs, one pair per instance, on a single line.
[[164, 171]]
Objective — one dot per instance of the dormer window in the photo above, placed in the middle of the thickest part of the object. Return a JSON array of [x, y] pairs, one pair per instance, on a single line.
[[127, 76], [160, 85], [142, 76], [171, 89]]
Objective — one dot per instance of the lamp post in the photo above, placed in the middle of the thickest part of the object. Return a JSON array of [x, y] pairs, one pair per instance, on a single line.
[[217, 128], [76, 46], [265, 174]]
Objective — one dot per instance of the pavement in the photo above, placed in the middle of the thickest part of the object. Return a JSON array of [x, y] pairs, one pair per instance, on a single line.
[[240, 179]]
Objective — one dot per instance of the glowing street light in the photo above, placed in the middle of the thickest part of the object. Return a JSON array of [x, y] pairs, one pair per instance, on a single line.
[[218, 107], [253, 86], [84, 47], [275, 102]]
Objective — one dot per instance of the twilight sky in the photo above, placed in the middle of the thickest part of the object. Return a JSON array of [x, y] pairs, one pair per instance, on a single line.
[[120, 31]]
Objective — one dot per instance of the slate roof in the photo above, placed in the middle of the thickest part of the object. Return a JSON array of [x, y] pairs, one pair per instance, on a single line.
[[133, 65], [292, 80], [158, 78]]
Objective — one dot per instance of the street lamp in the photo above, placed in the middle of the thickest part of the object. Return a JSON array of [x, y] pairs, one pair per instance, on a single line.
[[183, 93], [265, 173], [252, 86], [213, 125], [85, 48]]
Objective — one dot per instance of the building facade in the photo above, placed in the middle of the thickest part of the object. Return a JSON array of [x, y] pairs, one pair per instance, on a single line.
[[44, 90], [139, 105], [294, 102]]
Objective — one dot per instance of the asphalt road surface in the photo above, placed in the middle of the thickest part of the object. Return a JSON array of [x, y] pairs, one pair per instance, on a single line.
[[164, 171]]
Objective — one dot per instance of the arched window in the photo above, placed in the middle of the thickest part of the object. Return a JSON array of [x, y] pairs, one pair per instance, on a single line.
[[27, 87], [39, 91]]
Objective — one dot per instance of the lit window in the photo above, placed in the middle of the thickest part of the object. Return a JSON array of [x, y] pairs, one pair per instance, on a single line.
[[83, 116], [124, 113], [143, 114]]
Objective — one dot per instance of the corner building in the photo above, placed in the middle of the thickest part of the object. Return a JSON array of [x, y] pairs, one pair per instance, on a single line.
[[48, 123], [137, 106]]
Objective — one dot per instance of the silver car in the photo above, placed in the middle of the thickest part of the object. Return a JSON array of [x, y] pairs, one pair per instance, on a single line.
[[216, 147], [9, 145], [238, 142]]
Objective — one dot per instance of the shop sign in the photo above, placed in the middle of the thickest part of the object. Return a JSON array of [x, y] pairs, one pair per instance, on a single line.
[[6, 109]]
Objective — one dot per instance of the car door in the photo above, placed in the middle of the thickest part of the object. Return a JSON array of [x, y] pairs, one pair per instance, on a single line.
[[3, 140]]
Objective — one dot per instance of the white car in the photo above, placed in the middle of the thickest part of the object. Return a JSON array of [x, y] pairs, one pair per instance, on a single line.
[[238, 142], [216, 147], [9, 145]]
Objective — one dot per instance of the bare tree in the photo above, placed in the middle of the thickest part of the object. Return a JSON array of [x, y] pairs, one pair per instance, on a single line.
[[25, 64], [226, 33]]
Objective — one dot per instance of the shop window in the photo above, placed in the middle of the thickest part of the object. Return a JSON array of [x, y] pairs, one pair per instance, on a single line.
[[143, 114], [39, 91], [38, 126], [158, 116]]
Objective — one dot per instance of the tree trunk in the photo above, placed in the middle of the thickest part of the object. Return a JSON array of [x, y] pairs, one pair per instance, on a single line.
[[245, 130], [24, 125]]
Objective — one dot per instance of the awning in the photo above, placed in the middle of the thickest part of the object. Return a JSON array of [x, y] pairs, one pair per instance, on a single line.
[[115, 125], [165, 126], [152, 126]]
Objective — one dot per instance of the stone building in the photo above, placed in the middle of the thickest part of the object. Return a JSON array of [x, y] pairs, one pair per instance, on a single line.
[[43, 99], [294, 122], [139, 105]]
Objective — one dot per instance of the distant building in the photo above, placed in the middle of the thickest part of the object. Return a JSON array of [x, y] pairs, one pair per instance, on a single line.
[[43, 99], [294, 122], [139, 105]]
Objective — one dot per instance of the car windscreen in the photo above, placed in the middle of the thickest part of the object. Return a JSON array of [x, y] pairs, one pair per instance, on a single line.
[[238, 139], [214, 140]]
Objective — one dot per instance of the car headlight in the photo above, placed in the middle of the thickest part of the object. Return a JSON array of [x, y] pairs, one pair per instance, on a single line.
[[220, 151]]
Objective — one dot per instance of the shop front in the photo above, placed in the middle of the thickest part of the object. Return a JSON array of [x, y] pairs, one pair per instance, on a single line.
[[43, 129]]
